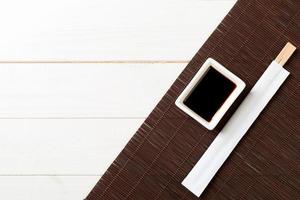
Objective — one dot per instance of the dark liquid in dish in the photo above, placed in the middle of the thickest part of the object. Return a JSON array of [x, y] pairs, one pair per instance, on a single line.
[[209, 95]]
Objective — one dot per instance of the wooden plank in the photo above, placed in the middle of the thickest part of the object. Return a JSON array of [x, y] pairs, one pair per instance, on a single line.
[[46, 187], [62, 146], [83, 90], [106, 30]]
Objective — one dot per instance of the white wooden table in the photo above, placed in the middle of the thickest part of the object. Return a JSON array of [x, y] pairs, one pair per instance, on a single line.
[[77, 78]]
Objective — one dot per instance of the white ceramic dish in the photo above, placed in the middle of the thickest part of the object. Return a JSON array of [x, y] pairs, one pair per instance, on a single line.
[[240, 85]]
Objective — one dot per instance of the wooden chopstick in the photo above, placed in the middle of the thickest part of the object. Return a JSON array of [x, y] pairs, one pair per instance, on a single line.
[[285, 54]]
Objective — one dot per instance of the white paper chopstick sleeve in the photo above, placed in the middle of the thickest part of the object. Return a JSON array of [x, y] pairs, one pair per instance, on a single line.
[[235, 129]]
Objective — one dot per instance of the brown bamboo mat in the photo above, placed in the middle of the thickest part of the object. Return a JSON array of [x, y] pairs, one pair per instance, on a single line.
[[265, 164]]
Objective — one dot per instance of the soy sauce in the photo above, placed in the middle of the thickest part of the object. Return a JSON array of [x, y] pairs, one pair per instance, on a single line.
[[209, 95]]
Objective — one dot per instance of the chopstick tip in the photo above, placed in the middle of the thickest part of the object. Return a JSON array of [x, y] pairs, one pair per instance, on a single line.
[[285, 53]]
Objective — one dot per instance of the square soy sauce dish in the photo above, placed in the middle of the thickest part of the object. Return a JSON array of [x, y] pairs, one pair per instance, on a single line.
[[210, 94]]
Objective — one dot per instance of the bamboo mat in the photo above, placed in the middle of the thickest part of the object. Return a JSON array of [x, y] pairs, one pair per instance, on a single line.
[[265, 164]]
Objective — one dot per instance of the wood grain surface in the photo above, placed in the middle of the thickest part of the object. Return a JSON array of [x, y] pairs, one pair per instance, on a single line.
[[114, 30], [93, 90], [266, 163]]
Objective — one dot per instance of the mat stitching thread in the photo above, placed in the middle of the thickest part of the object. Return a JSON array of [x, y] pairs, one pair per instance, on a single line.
[[250, 74], [230, 61], [265, 128], [207, 56], [156, 157], [229, 178], [119, 171], [141, 143], [154, 128], [179, 167]]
